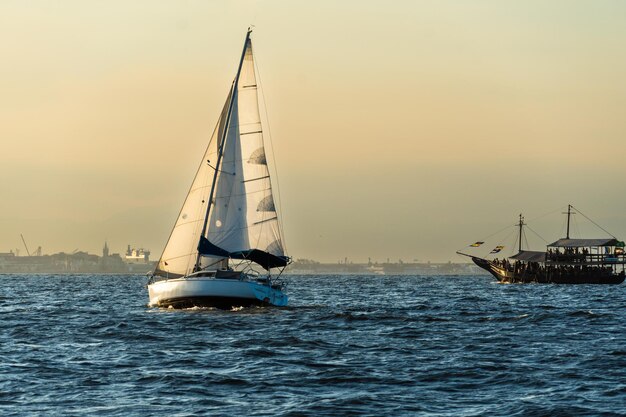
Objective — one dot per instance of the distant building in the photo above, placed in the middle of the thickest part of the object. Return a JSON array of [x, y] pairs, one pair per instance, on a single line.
[[78, 262], [136, 256]]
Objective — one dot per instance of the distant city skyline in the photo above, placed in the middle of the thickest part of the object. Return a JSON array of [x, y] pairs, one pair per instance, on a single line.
[[401, 131]]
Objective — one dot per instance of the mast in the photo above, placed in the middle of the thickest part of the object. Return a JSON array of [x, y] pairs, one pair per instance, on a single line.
[[569, 214], [521, 229], [223, 140]]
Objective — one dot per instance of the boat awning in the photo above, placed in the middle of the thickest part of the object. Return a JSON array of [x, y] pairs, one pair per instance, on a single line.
[[265, 259], [529, 256], [582, 243]]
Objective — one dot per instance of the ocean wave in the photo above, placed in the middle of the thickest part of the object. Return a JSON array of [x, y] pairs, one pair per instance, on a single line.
[[402, 346]]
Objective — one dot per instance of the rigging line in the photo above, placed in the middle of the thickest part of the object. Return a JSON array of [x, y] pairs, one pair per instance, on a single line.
[[575, 227], [526, 240], [563, 227], [171, 258], [220, 149], [546, 214], [237, 264], [603, 229], [269, 134], [210, 265], [206, 150], [208, 162], [485, 238], [513, 232], [537, 234], [189, 222], [503, 240], [515, 242]]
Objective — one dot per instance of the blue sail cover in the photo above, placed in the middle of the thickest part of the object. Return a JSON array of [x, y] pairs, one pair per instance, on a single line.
[[265, 259]]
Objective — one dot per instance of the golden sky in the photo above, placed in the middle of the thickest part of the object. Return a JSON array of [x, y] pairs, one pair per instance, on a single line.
[[401, 129]]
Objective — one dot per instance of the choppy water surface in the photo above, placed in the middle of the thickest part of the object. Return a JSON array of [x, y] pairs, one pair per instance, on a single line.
[[351, 345]]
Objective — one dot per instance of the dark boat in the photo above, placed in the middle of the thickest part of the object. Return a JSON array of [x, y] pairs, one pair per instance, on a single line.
[[566, 261]]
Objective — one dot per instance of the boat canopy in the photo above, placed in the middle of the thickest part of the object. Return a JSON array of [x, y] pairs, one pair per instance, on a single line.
[[529, 256], [583, 243], [265, 259]]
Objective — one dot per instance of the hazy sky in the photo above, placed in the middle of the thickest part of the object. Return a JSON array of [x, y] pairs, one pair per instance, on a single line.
[[402, 129]]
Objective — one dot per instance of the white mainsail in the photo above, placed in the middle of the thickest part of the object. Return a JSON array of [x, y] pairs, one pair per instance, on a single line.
[[242, 215]]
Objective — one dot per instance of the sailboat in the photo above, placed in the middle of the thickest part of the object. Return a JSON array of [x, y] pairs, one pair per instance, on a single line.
[[228, 225]]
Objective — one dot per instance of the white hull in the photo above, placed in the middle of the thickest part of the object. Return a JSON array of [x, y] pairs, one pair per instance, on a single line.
[[213, 292]]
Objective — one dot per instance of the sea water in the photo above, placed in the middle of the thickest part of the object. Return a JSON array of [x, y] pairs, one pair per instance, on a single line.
[[346, 345]]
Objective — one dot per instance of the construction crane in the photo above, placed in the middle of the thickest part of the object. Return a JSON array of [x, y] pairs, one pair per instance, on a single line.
[[27, 251]]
